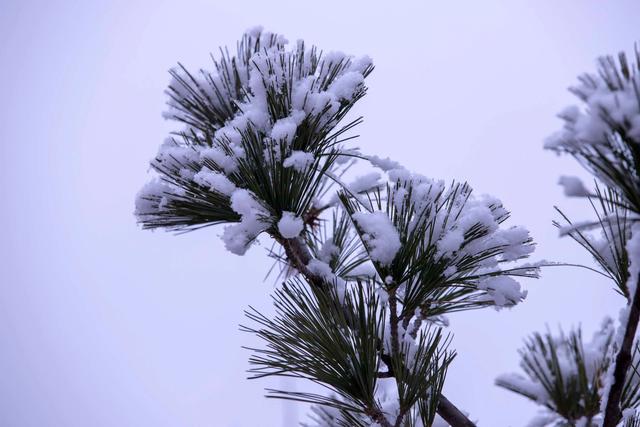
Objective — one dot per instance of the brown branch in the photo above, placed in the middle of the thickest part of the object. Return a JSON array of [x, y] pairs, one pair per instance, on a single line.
[[613, 412], [452, 415], [395, 343], [299, 256], [413, 332], [384, 374], [393, 321]]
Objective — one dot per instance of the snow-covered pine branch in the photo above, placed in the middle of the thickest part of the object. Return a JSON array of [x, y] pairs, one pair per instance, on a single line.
[[606, 237], [442, 248], [259, 134], [603, 133], [564, 374], [371, 266], [604, 136]]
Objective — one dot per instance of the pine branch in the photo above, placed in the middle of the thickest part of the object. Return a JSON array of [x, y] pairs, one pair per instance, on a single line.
[[318, 337], [393, 320], [451, 414], [299, 256], [262, 145], [610, 250], [395, 345], [613, 412], [443, 251]]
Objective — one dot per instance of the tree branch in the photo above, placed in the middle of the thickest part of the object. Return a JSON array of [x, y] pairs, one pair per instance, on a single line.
[[393, 321], [613, 412], [299, 256], [452, 415]]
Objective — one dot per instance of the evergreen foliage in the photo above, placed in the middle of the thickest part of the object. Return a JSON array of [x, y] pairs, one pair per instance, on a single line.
[[598, 386], [565, 375], [368, 268]]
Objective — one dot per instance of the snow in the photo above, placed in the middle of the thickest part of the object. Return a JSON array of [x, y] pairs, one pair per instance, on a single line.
[[269, 70], [380, 236], [450, 242], [503, 290], [386, 164], [363, 270], [477, 212], [364, 182], [215, 181], [254, 220], [360, 64], [322, 104], [386, 394], [284, 129], [290, 226], [359, 185], [328, 251], [523, 385], [300, 91], [609, 111], [320, 268], [254, 31], [345, 86], [514, 243], [218, 157], [323, 270], [145, 199], [299, 160], [333, 58], [174, 155], [573, 186]]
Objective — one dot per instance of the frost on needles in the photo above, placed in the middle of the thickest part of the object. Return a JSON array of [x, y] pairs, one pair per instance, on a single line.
[[369, 268]]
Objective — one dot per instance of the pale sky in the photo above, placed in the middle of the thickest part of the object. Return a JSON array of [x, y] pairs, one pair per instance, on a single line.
[[103, 324]]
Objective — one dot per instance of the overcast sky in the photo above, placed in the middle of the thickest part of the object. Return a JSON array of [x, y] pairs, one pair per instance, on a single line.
[[103, 324]]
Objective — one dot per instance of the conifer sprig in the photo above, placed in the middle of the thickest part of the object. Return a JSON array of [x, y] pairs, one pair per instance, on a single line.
[[565, 375], [605, 136], [446, 260], [327, 339], [609, 249], [314, 336], [267, 122]]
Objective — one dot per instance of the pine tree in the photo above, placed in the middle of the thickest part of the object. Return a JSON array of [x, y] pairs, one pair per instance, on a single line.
[[369, 268], [597, 384]]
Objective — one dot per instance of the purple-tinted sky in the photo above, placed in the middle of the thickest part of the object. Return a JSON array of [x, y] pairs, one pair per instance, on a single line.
[[102, 324]]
